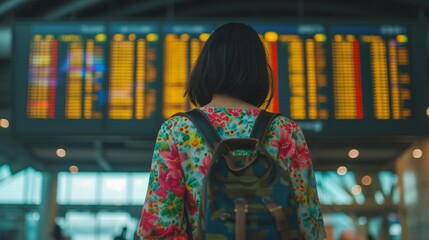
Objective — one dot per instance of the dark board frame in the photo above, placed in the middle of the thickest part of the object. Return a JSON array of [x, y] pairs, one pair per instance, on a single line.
[[147, 129]]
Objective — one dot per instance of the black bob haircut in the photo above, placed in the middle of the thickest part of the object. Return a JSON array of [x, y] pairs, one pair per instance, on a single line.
[[233, 62]]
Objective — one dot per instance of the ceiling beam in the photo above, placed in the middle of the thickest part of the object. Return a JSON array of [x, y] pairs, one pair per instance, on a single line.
[[233, 7], [99, 156], [418, 3], [71, 7], [145, 6], [18, 156], [10, 5]]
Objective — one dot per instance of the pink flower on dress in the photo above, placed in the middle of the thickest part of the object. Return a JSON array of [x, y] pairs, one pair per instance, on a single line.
[[206, 163], [285, 144], [147, 222], [173, 157], [235, 111], [286, 128], [254, 111], [170, 180], [218, 119], [301, 157], [191, 204], [210, 109], [167, 232]]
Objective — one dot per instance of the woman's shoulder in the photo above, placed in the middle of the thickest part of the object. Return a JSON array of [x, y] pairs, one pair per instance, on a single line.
[[181, 120], [284, 121]]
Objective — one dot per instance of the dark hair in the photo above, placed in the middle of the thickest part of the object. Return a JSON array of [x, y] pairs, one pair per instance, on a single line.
[[233, 62]]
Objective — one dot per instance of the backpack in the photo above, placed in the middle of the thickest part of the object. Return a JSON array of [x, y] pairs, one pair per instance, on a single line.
[[246, 194]]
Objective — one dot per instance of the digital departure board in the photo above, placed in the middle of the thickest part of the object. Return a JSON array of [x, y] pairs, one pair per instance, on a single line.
[[182, 45], [125, 78], [371, 72], [62, 75], [376, 80], [297, 55], [133, 76]]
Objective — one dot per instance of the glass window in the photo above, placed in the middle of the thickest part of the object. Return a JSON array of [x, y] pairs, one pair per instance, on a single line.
[[12, 188], [80, 225], [33, 186], [63, 188], [140, 183], [330, 190], [114, 189], [4, 172], [99, 226], [83, 188], [112, 223], [31, 224]]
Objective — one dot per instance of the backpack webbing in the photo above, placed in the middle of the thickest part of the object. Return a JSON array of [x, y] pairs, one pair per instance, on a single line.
[[209, 133]]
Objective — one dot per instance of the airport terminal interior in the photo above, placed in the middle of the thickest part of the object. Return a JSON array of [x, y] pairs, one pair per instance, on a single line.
[[86, 84]]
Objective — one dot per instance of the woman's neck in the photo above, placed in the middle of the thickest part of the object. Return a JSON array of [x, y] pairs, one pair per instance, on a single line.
[[226, 101]]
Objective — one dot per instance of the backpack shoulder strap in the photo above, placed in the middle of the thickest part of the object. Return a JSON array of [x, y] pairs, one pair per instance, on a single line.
[[262, 124], [204, 126]]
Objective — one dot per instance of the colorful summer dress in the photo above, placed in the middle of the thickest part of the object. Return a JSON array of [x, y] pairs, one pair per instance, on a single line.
[[180, 162]]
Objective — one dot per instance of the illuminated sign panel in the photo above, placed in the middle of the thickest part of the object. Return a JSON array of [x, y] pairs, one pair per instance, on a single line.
[[182, 45], [371, 72], [133, 78], [297, 55], [60, 73], [125, 78], [66, 72], [133, 73]]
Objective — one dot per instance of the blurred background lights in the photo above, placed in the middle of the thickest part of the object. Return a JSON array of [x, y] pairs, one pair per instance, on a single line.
[[132, 37], [356, 189], [100, 37], [342, 170], [4, 123], [320, 37], [271, 36], [152, 37], [354, 153], [204, 37], [61, 152], [427, 112], [366, 180], [362, 220], [184, 37], [73, 169], [417, 153], [395, 229], [402, 38]]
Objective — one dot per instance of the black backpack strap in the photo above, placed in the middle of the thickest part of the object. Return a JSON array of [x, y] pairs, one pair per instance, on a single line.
[[262, 124], [204, 126]]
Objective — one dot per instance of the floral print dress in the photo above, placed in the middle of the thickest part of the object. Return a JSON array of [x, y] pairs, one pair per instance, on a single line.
[[180, 162]]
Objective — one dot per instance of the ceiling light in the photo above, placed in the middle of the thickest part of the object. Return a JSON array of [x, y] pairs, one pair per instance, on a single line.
[[61, 152], [417, 153], [354, 153], [342, 170]]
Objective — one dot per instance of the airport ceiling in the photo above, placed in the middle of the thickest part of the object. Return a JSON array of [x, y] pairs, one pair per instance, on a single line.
[[78, 9], [129, 154]]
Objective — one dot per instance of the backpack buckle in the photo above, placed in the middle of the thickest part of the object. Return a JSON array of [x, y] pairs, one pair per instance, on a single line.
[[241, 205]]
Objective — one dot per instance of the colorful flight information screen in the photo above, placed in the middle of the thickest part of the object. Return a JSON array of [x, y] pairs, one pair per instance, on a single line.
[[66, 72], [371, 66], [297, 55], [61, 74], [125, 78], [132, 71], [182, 45]]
